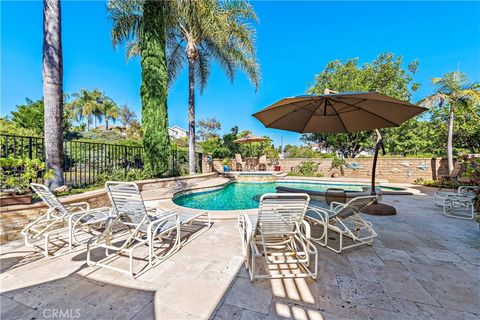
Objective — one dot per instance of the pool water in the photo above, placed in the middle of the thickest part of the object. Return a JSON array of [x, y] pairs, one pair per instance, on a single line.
[[243, 195]]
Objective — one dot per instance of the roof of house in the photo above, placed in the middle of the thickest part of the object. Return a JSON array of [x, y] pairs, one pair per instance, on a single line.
[[178, 128]]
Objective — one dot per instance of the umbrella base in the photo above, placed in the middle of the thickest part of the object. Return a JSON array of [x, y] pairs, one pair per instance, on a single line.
[[380, 209]]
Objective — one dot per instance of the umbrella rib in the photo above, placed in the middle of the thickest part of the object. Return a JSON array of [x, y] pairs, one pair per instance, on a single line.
[[404, 103], [294, 103], [374, 114], [340, 118]]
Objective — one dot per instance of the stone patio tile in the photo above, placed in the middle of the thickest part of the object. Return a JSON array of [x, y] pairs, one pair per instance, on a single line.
[[406, 306], [12, 310], [301, 291], [363, 272], [364, 292], [288, 310], [364, 255], [254, 296], [440, 254], [398, 283], [148, 312], [454, 297], [392, 254], [228, 312], [41, 294], [198, 297], [331, 301], [381, 314], [340, 262], [252, 315], [446, 314], [326, 275]]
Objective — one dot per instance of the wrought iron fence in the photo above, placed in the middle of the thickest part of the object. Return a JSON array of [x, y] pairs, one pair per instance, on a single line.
[[85, 163]]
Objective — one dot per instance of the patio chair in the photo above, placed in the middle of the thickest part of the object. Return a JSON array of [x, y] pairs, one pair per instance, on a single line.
[[343, 219], [240, 164], [74, 219], [279, 234], [464, 198], [262, 163], [135, 226]]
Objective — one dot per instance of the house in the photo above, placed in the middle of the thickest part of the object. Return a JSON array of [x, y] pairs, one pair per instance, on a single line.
[[176, 132]]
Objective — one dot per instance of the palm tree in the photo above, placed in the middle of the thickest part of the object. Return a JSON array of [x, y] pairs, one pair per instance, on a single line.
[[53, 90], [87, 105], [109, 111], [143, 24], [453, 92], [126, 115], [198, 31], [202, 31]]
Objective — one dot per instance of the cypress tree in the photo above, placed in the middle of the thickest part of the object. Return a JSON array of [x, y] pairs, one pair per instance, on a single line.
[[156, 141]]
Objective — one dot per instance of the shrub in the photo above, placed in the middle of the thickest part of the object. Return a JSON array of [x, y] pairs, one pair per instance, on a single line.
[[16, 174], [339, 164], [307, 169]]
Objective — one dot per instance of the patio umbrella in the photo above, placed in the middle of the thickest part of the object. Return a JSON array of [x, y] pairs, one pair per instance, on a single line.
[[340, 113], [249, 139]]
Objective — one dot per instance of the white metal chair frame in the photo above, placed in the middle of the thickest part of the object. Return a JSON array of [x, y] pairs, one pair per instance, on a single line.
[[345, 220], [464, 198], [74, 219], [135, 227], [279, 231]]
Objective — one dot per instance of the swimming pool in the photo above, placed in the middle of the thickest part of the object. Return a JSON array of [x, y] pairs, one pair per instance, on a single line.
[[244, 195]]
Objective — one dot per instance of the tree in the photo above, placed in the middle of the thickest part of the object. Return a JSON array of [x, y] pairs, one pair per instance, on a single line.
[[454, 93], [53, 90], [143, 24], [207, 30], [384, 75], [88, 105], [208, 128], [31, 116], [126, 115], [109, 111]]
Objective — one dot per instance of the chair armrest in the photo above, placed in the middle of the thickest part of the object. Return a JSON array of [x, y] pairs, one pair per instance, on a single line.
[[79, 205], [334, 205], [81, 214]]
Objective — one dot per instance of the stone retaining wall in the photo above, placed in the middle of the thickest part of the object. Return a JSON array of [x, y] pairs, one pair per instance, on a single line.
[[14, 218], [402, 170]]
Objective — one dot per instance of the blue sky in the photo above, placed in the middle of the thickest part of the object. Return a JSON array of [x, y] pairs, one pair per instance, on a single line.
[[294, 40]]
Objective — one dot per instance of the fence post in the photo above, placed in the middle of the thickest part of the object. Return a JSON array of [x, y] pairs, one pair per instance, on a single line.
[[125, 160]]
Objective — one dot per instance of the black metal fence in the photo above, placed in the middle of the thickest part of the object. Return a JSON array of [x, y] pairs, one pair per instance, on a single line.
[[85, 163]]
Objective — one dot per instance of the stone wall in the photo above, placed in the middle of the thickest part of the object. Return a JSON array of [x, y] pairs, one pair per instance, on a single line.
[[403, 170], [14, 218]]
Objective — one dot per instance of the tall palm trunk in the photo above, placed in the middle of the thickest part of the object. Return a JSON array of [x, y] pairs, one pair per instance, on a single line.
[[450, 141], [52, 90], [191, 115], [106, 123]]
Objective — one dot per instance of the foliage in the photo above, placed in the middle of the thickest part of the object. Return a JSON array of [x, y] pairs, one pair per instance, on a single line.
[[215, 147], [126, 116], [472, 171], [156, 141], [226, 161], [208, 128], [30, 117], [455, 94], [16, 173], [300, 152], [110, 136], [384, 75], [338, 164], [119, 175], [307, 169], [10, 127]]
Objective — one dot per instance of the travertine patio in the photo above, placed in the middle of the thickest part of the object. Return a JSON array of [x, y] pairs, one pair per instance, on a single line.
[[423, 265]]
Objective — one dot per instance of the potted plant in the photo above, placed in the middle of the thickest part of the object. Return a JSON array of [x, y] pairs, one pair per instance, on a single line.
[[15, 177], [226, 164]]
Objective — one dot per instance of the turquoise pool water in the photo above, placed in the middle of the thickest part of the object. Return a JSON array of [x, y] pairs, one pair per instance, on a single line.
[[242, 195]]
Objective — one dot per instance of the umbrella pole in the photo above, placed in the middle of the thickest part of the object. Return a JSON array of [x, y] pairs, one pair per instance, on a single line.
[[376, 208], [378, 145]]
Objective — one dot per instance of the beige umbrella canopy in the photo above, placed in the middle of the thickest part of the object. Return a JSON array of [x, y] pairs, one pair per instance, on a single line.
[[336, 113], [250, 138], [341, 113]]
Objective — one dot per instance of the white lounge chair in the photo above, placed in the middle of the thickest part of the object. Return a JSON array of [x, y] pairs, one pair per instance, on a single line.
[[343, 219], [135, 226], [60, 219], [280, 234], [464, 199]]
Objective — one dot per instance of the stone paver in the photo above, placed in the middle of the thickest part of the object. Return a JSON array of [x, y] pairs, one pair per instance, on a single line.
[[423, 265]]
